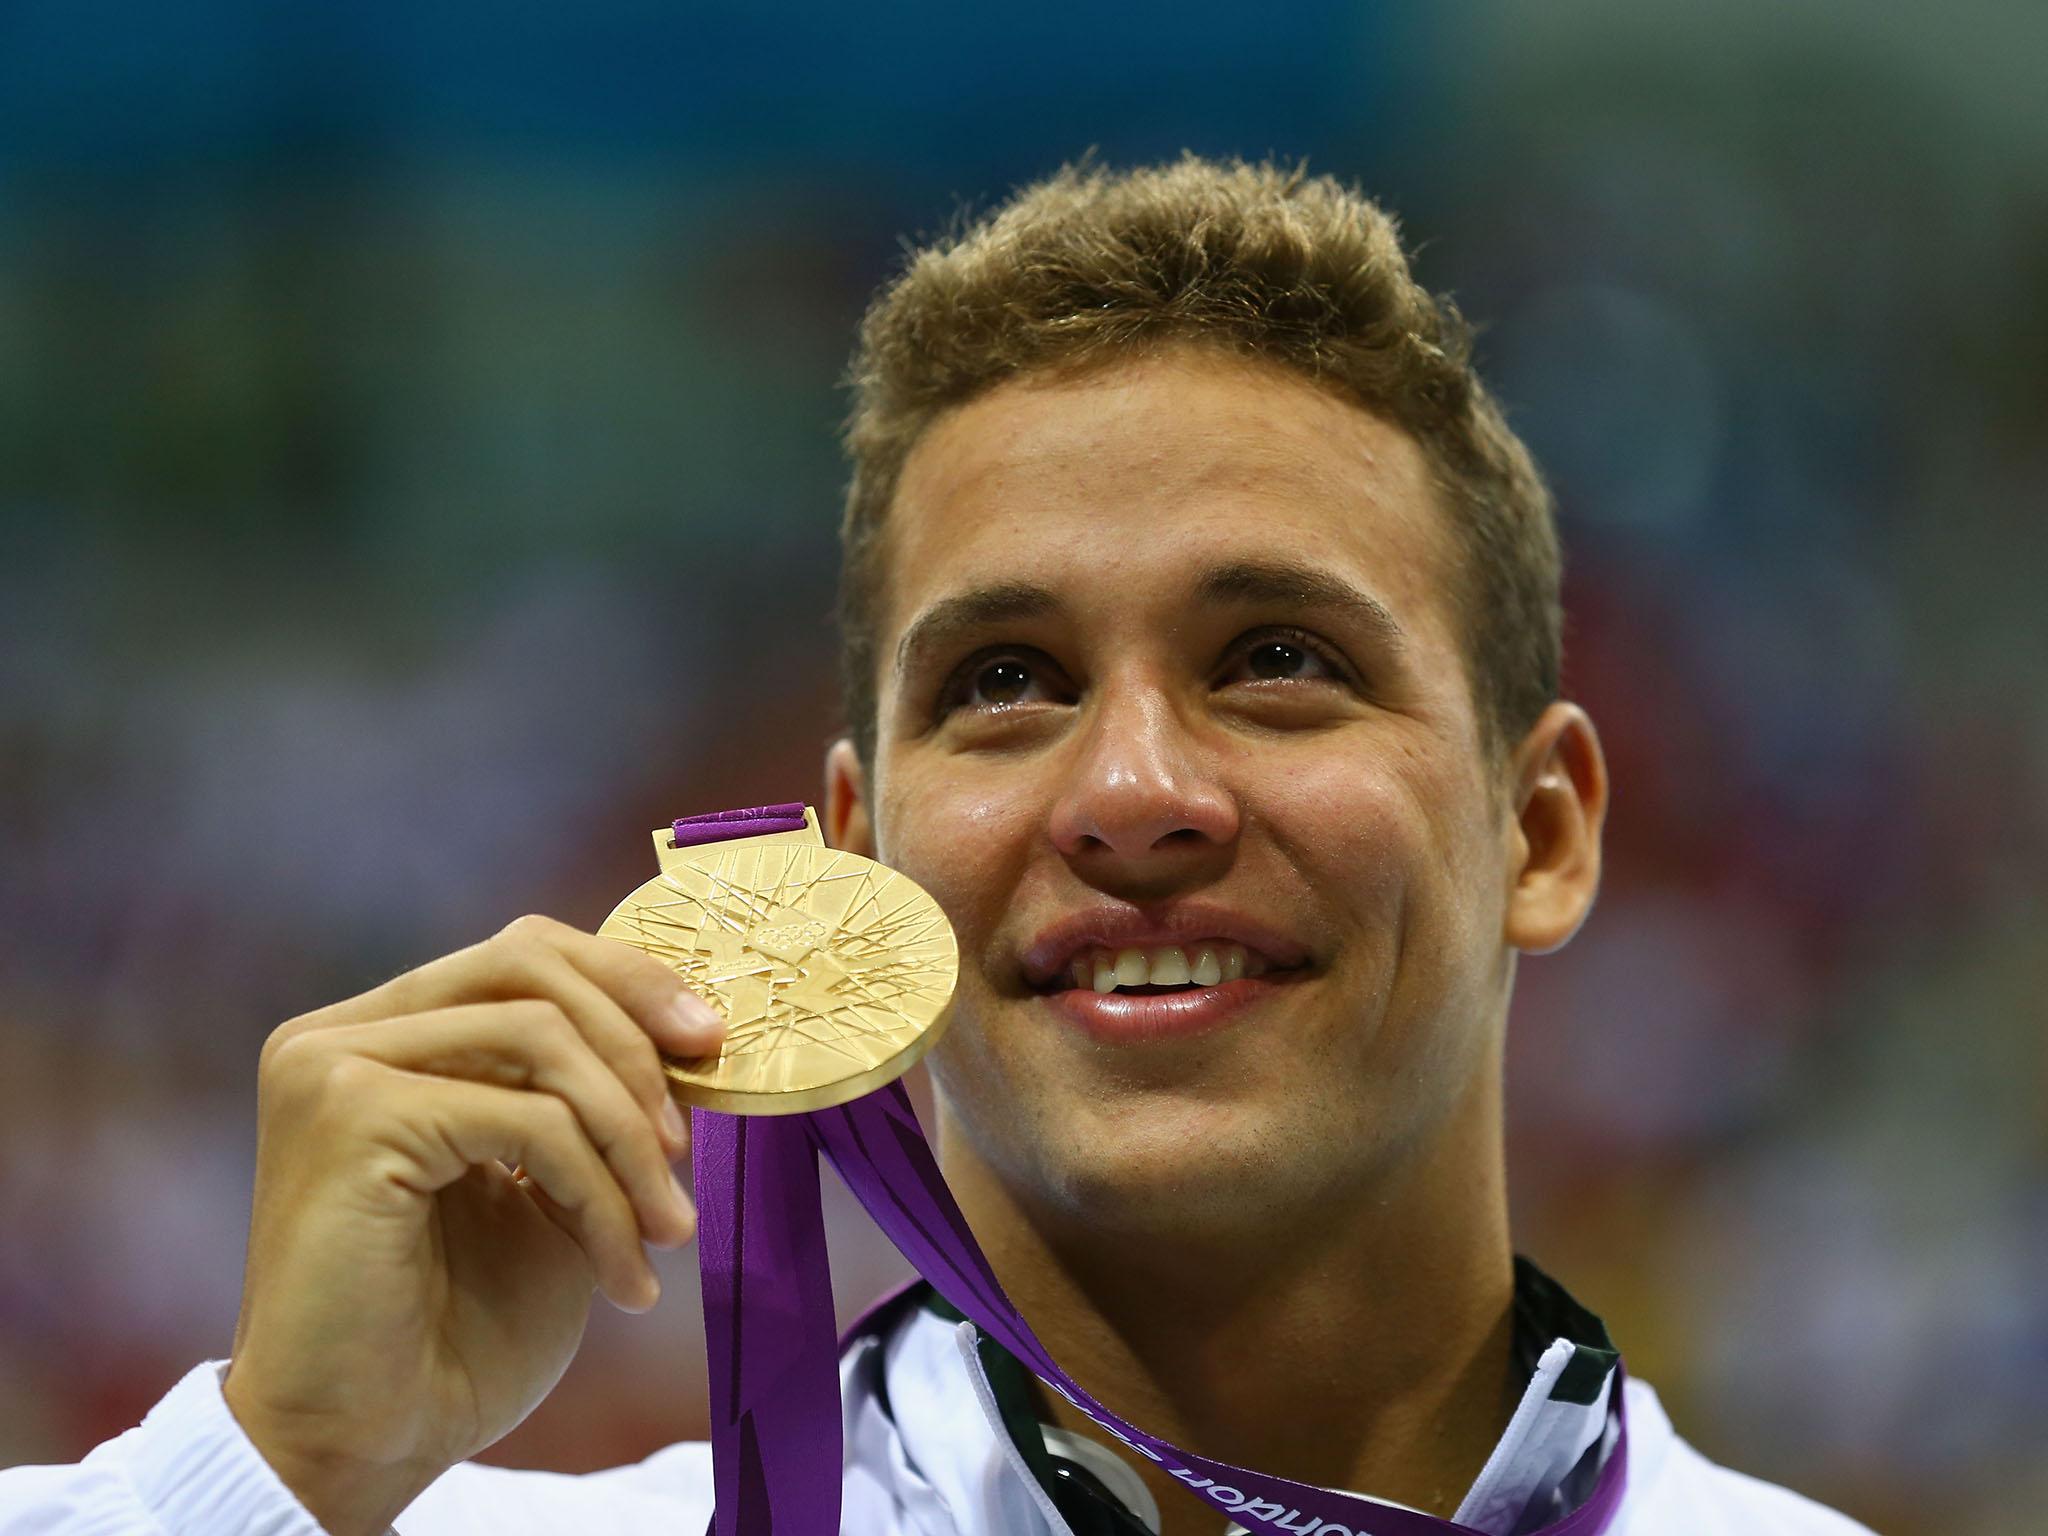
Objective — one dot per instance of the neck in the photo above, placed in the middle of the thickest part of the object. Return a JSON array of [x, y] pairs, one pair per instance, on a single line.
[[1366, 1346]]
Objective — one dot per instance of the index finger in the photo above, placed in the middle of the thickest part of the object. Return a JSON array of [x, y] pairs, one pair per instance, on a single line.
[[677, 1019], [653, 994]]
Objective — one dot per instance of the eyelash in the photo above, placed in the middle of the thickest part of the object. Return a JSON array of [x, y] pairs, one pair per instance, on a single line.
[[1301, 640], [954, 693]]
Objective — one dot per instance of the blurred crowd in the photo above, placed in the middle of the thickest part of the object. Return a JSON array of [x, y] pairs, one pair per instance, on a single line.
[[418, 478]]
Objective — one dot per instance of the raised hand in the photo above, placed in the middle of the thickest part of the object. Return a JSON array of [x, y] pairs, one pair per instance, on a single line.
[[407, 1301]]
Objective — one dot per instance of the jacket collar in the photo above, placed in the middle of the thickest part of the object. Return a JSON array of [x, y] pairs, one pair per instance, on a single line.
[[968, 1436]]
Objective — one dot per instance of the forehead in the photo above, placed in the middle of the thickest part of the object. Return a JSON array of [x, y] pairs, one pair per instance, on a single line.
[[1119, 477]]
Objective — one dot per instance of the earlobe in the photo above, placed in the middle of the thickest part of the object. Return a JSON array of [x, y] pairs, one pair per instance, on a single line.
[[1561, 803], [848, 824]]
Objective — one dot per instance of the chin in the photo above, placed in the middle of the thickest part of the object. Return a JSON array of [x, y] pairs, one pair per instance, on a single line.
[[1163, 1166], [1209, 1138]]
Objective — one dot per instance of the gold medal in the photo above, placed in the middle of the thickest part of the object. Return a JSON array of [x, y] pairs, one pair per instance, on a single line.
[[833, 972]]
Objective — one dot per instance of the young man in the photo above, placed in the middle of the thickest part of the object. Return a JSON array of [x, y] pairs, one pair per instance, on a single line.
[[1202, 641]]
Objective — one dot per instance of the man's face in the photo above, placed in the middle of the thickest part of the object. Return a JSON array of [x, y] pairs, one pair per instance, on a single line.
[[1170, 661]]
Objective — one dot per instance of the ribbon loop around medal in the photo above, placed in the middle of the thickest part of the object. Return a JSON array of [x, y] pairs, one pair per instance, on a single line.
[[833, 972]]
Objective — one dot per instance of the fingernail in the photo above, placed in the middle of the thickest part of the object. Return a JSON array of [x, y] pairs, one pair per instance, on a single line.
[[682, 1200], [695, 1016], [672, 1122]]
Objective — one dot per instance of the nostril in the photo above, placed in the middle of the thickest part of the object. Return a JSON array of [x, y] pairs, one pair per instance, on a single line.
[[1129, 809]]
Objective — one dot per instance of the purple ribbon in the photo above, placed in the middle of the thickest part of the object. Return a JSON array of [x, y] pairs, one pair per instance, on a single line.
[[749, 821], [776, 1443], [777, 1451]]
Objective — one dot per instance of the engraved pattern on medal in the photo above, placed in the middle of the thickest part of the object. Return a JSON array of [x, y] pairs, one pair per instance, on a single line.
[[824, 964]]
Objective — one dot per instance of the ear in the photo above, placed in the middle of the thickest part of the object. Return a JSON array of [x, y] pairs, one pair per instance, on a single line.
[[848, 824], [1559, 786]]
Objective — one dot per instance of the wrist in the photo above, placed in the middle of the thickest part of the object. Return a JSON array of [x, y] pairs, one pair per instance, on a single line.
[[348, 1494]]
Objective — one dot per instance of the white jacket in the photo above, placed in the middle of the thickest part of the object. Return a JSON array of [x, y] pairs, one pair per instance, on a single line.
[[927, 1454]]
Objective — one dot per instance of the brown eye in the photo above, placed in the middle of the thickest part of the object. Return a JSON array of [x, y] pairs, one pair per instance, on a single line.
[[1284, 656], [1003, 682], [1000, 678], [1276, 658]]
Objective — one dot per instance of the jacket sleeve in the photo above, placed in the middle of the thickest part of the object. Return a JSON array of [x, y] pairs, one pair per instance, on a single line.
[[189, 1470], [186, 1470]]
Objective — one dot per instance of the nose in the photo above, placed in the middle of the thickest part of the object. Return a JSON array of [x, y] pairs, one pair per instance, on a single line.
[[1142, 796]]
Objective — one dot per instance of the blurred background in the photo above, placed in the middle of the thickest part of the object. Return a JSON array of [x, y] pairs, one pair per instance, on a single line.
[[418, 476]]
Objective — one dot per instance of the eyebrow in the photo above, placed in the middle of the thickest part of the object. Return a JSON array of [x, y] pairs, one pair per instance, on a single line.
[[1238, 584], [1246, 583], [983, 607]]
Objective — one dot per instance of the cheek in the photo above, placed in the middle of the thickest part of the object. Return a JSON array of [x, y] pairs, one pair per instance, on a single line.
[[964, 838], [1384, 842], [1350, 828]]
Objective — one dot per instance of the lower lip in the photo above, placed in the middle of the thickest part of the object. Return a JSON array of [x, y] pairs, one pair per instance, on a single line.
[[1125, 1018]]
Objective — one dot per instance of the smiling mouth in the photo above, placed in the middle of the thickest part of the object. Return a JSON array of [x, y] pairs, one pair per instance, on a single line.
[[1140, 998], [1161, 969]]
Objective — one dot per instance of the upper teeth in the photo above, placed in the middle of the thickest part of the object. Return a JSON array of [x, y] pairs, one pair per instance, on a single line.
[[1205, 964]]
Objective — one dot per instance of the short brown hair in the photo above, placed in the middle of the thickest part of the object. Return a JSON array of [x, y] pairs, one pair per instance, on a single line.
[[1090, 266]]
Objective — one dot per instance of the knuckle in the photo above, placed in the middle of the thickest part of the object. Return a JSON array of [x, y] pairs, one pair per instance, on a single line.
[[520, 944], [297, 1027], [641, 1063], [556, 1120], [275, 1042], [311, 1083], [348, 1079], [291, 1059], [528, 926], [634, 1143], [542, 1022], [616, 1120]]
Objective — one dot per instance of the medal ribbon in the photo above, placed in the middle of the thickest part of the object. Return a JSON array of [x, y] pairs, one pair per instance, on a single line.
[[776, 1434]]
